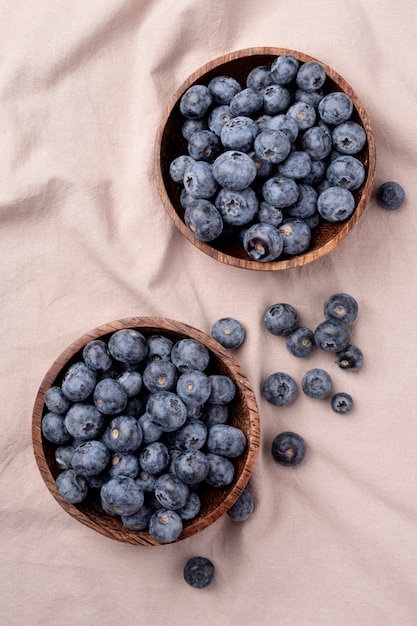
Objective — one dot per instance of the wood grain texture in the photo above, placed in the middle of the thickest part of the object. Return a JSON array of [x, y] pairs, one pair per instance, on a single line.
[[244, 415], [170, 143]]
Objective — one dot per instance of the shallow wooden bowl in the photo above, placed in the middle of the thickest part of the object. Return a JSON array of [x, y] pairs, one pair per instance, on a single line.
[[244, 415], [170, 144]]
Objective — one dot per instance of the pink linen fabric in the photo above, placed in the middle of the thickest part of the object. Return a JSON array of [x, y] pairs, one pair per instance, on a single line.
[[85, 240]]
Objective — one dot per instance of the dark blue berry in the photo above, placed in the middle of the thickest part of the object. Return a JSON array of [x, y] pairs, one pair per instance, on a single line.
[[72, 487], [165, 526], [90, 458], [341, 306], [79, 382], [300, 342], [288, 448], [198, 572], [262, 242], [229, 332], [332, 335], [243, 508], [280, 389], [390, 195], [341, 402], [226, 440], [316, 383], [350, 358], [280, 319]]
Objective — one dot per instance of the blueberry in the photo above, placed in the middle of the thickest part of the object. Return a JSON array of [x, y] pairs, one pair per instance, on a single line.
[[167, 410], [218, 118], [203, 219], [193, 387], [178, 167], [121, 496], [134, 406], [128, 346], [191, 436], [63, 456], [110, 397], [188, 354], [56, 401], [336, 204], [246, 102], [280, 389], [316, 383], [341, 306], [79, 382], [226, 440], [195, 102], [123, 434], [303, 114], [309, 97], [296, 235], [390, 195], [239, 133], [215, 414], [306, 205], [54, 428], [229, 332], [123, 465], [192, 126], [237, 207], [346, 171], [284, 69], [96, 355], [262, 242], [300, 342], [332, 335], [272, 145], [234, 169], [223, 88], [317, 142], [131, 381], [349, 137], [84, 421], [204, 146], [223, 389], [221, 470], [160, 376], [146, 481], [198, 572], [154, 457], [297, 165], [280, 191], [268, 214], [159, 348], [310, 76], [280, 319], [165, 526], [138, 521], [335, 108], [191, 508], [171, 492], [72, 487], [350, 358], [341, 402], [199, 180], [276, 99], [191, 466], [259, 77], [150, 431], [90, 458], [285, 124], [243, 508], [288, 448]]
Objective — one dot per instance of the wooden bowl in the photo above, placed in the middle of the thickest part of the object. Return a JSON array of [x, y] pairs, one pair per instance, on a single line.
[[243, 414], [170, 144]]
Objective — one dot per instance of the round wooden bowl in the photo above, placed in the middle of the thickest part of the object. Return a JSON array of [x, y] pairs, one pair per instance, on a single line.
[[170, 144], [243, 414]]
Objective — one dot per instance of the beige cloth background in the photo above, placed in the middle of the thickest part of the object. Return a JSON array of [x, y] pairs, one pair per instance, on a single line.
[[85, 240]]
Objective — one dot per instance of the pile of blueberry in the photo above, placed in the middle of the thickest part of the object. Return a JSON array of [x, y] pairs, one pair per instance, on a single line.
[[332, 335], [270, 159], [144, 422]]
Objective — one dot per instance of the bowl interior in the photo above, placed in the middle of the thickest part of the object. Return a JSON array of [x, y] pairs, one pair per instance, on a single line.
[[244, 415], [170, 144]]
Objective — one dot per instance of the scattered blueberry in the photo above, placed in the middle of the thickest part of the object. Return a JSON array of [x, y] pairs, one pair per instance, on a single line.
[[316, 383], [341, 402], [341, 306], [229, 332], [280, 389], [300, 342], [350, 358], [332, 335], [390, 195], [198, 572], [288, 448], [243, 508], [280, 319]]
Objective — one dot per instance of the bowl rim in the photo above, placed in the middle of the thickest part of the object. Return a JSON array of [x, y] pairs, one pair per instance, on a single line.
[[345, 227], [148, 325]]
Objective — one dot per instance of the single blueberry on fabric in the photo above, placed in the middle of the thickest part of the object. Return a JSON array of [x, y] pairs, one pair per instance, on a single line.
[[341, 306], [280, 319], [280, 389], [332, 335], [229, 332], [198, 572], [316, 383], [350, 358], [390, 195], [288, 448], [341, 402], [300, 342]]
